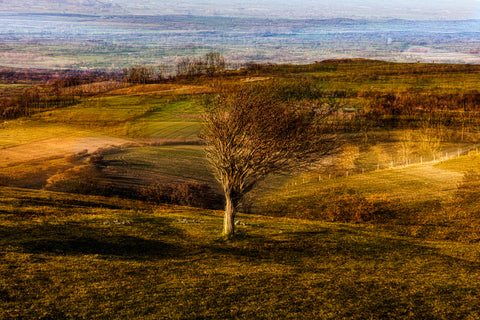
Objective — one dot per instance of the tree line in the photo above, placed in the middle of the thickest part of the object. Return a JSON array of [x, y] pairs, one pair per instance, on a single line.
[[59, 89]]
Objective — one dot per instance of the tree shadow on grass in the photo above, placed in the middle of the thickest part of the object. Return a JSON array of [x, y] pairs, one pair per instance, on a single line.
[[299, 248], [357, 271], [126, 247], [114, 241], [64, 203]]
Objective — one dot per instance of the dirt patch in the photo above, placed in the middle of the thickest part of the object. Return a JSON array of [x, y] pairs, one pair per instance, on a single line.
[[55, 147]]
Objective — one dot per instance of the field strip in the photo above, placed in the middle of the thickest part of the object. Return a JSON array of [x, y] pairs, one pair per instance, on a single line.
[[55, 147], [435, 174], [146, 90]]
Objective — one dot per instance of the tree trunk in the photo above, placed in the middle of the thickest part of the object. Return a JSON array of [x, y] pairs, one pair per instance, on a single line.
[[229, 217]]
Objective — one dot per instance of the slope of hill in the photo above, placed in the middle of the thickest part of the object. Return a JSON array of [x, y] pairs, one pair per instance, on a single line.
[[79, 257]]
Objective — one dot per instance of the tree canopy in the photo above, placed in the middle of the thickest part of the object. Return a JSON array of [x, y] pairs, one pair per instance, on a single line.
[[250, 135]]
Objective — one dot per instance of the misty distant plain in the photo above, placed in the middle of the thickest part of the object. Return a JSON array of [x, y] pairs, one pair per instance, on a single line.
[[57, 41]]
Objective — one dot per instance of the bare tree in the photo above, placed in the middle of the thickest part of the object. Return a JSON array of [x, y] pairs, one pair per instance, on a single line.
[[249, 136], [210, 64]]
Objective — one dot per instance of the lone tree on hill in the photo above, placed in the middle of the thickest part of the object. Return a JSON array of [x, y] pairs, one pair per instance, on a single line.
[[250, 135]]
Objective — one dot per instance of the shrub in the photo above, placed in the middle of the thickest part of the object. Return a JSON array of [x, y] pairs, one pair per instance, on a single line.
[[81, 179], [191, 194], [468, 190], [77, 157], [337, 204], [350, 208]]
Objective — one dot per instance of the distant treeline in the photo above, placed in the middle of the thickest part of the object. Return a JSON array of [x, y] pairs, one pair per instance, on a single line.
[[377, 106], [52, 92], [59, 89], [33, 100], [210, 64], [365, 107], [407, 108]]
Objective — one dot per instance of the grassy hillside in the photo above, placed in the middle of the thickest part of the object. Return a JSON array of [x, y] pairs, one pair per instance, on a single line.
[[130, 116], [388, 229], [71, 257], [38, 147]]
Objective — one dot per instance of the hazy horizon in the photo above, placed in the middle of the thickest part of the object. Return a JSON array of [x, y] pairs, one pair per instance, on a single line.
[[407, 9], [301, 9], [115, 35]]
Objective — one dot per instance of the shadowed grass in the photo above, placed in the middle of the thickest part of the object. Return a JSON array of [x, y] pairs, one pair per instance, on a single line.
[[163, 163]]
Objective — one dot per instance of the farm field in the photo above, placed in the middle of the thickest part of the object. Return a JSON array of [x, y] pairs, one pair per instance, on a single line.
[[142, 118], [160, 165]]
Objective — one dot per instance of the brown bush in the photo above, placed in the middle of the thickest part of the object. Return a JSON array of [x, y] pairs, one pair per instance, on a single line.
[[468, 190], [191, 194], [337, 204], [350, 208], [77, 157], [81, 179]]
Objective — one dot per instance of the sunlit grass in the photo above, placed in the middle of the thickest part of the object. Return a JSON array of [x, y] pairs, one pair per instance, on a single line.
[[18, 132], [462, 164], [32, 174], [100, 111], [129, 117]]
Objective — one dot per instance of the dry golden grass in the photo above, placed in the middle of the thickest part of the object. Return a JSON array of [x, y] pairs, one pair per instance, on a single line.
[[78, 257], [162, 90]]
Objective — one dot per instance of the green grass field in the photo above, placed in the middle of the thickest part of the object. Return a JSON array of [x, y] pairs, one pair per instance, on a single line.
[[126, 117], [364, 75], [19, 132]]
